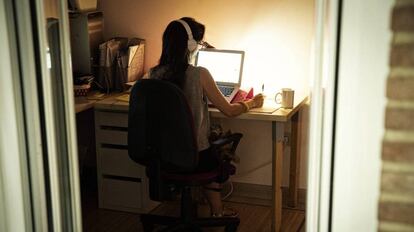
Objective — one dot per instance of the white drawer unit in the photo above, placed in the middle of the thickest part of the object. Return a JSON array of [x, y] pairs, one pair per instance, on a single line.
[[122, 183], [121, 193], [117, 162]]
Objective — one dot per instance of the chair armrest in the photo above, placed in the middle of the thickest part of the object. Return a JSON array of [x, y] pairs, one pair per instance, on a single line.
[[233, 138]]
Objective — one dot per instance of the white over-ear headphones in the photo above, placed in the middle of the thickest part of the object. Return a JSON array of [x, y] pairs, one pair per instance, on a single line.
[[191, 44]]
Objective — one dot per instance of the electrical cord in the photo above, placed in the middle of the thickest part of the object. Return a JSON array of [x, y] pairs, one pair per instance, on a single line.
[[230, 192], [243, 174], [254, 169]]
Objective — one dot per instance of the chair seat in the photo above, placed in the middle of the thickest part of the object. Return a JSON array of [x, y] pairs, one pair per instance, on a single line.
[[167, 146]]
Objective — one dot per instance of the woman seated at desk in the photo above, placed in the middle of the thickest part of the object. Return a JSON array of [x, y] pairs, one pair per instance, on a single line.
[[181, 40]]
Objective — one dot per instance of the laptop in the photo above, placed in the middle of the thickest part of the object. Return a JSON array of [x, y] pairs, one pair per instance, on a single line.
[[226, 67]]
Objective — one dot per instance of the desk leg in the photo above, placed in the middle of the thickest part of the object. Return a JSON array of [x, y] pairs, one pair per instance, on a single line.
[[294, 161], [277, 164]]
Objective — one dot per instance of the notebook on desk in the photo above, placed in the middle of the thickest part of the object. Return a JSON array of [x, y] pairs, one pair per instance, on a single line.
[[265, 109], [225, 66], [124, 97], [269, 107]]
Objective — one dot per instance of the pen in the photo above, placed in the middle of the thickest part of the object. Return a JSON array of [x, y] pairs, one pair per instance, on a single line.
[[262, 88]]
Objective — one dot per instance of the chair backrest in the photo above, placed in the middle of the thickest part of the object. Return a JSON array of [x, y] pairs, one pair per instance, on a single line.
[[160, 127]]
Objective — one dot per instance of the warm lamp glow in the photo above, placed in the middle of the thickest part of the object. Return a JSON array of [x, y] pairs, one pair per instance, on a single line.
[[273, 58]]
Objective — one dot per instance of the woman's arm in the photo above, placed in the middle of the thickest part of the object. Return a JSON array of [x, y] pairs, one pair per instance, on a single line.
[[218, 100]]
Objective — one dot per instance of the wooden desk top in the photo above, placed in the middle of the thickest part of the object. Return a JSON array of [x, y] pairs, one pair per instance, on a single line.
[[86, 102], [83, 103], [280, 115]]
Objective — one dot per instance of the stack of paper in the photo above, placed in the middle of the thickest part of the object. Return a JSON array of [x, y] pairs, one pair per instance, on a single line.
[[123, 97]]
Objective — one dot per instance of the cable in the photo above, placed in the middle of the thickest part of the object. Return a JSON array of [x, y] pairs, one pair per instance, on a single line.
[[254, 169], [243, 174], [230, 192]]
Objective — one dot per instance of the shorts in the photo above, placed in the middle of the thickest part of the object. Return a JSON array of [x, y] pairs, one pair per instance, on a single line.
[[208, 161]]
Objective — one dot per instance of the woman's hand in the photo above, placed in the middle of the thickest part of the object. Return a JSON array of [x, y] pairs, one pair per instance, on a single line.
[[218, 100], [258, 101]]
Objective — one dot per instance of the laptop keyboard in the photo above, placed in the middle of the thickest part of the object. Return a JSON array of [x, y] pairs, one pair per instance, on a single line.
[[226, 90]]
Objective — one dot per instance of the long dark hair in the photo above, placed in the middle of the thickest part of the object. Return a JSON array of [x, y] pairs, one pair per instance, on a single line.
[[175, 54]]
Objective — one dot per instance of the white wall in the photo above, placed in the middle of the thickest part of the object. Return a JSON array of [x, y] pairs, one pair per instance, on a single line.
[[255, 151], [363, 70], [275, 34]]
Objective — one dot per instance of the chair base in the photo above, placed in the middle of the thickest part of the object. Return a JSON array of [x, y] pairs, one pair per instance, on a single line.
[[175, 224], [188, 221]]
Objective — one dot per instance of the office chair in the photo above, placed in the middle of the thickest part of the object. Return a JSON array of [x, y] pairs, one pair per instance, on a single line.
[[161, 137]]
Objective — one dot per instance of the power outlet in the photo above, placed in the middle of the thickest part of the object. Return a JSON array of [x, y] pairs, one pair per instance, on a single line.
[[286, 140]]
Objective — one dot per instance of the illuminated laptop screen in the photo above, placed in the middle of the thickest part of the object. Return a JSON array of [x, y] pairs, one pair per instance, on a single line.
[[225, 66]]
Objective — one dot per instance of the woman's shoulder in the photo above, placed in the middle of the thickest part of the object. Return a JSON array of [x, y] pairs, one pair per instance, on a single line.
[[193, 71], [156, 72], [194, 68], [195, 74], [201, 71]]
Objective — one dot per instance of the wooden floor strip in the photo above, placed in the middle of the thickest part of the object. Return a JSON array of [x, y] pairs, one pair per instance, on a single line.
[[253, 218]]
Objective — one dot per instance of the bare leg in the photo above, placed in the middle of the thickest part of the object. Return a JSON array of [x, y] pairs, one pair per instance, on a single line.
[[214, 198]]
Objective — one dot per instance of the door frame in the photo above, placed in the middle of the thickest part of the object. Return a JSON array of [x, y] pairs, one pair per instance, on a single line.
[[16, 195], [322, 115], [28, 154], [351, 67]]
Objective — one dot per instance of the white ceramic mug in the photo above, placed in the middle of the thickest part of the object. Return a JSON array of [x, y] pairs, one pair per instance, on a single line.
[[286, 99]]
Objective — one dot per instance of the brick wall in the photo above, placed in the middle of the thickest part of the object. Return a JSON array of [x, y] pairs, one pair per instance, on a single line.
[[396, 206]]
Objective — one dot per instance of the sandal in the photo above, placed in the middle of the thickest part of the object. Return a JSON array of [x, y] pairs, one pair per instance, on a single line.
[[227, 212]]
